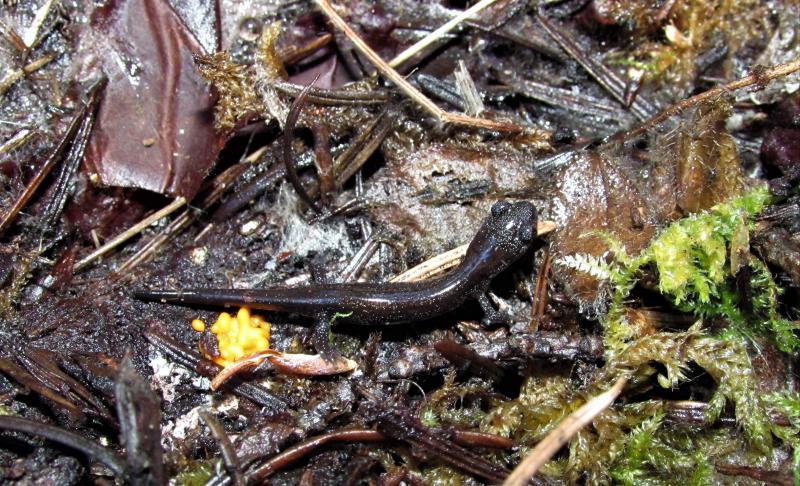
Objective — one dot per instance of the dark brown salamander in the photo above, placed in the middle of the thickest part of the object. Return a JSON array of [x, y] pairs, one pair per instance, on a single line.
[[503, 238]]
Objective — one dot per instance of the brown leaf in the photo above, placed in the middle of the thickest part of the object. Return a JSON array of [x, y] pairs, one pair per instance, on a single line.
[[155, 124]]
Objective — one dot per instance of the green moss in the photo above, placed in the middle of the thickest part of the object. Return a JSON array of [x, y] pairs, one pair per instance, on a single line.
[[428, 417], [788, 404], [691, 254], [696, 261], [727, 362], [693, 259], [445, 476], [660, 455], [195, 474], [457, 404]]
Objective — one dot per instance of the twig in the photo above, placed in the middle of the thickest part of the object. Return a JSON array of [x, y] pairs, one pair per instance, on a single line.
[[29, 68], [232, 463], [539, 303], [366, 143], [69, 439], [131, 232], [434, 266], [303, 449], [55, 155], [405, 86], [335, 97], [288, 160], [32, 34], [466, 87], [438, 33], [11, 35], [760, 76], [556, 439], [324, 162], [70, 165], [17, 140], [293, 54]]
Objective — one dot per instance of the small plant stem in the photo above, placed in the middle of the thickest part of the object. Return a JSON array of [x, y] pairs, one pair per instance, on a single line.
[[438, 33]]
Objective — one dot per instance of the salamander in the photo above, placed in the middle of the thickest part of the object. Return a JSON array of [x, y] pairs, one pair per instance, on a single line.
[[505, 235]]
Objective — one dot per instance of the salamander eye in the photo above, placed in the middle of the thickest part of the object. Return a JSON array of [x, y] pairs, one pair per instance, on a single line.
[[499, 208], [526, 234]]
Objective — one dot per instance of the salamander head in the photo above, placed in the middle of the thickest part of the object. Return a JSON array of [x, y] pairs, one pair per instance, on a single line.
[[506, 234]]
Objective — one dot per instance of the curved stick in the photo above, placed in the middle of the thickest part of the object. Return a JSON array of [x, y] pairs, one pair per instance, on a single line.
[[69, 439], [288, 128]]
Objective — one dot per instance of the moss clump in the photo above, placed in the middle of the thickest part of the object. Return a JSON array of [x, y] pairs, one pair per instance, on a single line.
[[458, 404], [195, 474], [445, 476], [670, 42], [235, 86], [656, 455], [788, 404], [626, 443], [22, 273], [693, 259]]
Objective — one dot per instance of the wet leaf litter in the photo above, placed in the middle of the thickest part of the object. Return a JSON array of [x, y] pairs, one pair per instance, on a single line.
[[649, 333]]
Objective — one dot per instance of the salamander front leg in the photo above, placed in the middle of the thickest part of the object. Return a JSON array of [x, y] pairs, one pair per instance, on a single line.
[[491, 316], [322, 337]]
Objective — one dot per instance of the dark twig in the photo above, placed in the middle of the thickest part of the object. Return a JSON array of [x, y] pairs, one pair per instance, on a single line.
[[72, 161], [288, 161], [365, 144], [758, 77], [232, 464], [481, 439], [400, 425], [779, 478], [299, 451], [41, 364], [69, 439], [294, 54], [54, 157], [259, 184], [557, 345], [139, 413], [335, 97], [24, 378], [460, 355], [531, 40], [441, 89], [564, 98], [539, 303], [303, 449]]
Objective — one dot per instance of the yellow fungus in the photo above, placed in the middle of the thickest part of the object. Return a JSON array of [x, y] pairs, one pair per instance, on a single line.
[[237, 336]]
